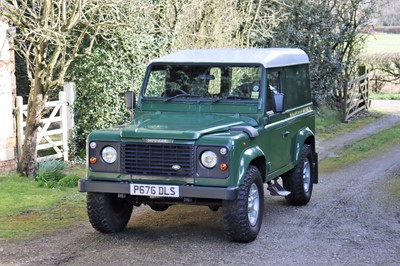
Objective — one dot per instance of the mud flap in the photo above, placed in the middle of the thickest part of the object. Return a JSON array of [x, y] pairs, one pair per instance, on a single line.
[[315, 179]]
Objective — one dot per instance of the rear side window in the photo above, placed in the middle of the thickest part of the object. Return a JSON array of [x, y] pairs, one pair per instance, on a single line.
[[297, 86]]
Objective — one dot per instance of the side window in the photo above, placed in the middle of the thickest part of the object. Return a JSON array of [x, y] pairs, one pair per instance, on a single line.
[[273, 86]]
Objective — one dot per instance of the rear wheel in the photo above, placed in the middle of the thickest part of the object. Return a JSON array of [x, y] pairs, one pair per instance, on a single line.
[[107, 212], [243, 216], [299, 181]]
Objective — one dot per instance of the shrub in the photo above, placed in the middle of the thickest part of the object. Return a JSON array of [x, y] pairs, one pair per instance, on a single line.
[[102, 79], [68, 181], [50, 172]]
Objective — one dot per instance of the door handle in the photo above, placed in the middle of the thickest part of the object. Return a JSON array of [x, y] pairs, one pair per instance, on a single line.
[[285, 133]]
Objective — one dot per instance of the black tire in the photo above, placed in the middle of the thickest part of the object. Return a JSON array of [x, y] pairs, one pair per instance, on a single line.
[[107, 212], [159, 207], [243, 216], [299, 180], [214, 208]]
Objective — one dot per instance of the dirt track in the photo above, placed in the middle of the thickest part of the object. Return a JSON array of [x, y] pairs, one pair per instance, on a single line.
[[353, 218]]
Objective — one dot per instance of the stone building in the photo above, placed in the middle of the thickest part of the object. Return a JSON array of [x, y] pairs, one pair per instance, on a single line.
[[8, 141]]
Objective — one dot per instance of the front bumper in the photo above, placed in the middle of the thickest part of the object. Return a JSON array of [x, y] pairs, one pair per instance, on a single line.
[[228, 193]]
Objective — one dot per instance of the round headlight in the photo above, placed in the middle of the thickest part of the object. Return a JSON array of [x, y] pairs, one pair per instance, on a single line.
[[109, 154], [208, 159]]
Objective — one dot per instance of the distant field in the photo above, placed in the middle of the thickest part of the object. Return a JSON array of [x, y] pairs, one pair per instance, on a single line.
[[383, 43]]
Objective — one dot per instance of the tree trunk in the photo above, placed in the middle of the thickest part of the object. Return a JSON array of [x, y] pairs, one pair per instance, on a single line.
[[36, 103]]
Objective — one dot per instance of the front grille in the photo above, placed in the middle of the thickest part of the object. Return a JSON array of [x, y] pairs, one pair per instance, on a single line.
[[157, 159]]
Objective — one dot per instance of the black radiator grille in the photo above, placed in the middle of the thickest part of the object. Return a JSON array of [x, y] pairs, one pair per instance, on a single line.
[[158, 159]]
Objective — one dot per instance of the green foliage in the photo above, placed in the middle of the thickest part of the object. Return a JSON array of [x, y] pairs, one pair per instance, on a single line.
[[68, 181], [329, 32], [50, 172], [113, 68]]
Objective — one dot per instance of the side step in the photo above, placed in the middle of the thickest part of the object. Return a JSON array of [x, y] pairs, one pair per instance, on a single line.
[[277, 190]]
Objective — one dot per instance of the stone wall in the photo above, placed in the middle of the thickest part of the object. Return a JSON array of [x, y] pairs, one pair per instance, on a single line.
[[8, 141]]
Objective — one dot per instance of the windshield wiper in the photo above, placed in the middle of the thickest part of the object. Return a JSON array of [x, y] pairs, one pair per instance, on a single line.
[[231, 97], [180, 96]]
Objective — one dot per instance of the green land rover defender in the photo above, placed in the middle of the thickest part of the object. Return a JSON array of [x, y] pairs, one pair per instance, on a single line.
[[210, 127]]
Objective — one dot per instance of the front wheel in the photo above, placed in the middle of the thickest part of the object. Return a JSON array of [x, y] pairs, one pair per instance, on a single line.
[[159, 207], [107, 212], [243, 216], [299, 181]]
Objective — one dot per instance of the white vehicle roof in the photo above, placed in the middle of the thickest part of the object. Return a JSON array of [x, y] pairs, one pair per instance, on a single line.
[[268, 57]]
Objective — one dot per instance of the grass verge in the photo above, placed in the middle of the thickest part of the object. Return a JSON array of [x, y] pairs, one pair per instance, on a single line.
[[395, 186], [27, 210], [384, 96], [362, 149], [329, 123]]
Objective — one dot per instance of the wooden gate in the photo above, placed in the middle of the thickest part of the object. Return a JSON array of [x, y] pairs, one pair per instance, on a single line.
[[53, 134], [356, 94]]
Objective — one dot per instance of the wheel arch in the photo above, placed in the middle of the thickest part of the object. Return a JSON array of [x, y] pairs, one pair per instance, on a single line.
[[306, 136], [252, 156]]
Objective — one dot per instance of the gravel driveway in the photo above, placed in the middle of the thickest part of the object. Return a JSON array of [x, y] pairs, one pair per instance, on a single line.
[[353, 218]]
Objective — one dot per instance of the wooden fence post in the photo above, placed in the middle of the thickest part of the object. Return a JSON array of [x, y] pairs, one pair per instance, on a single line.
[[64, 124], [70, 92], [345, 92], [20, 125]]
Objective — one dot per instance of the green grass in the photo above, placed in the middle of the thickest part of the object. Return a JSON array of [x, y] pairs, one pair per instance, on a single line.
[[327, 118], [329, 123], [384, 96], [383, 43], [362, 149], [395, 186], [27, 210]]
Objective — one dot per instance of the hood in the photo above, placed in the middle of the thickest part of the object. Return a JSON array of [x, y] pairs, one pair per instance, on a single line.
[[182, 125]]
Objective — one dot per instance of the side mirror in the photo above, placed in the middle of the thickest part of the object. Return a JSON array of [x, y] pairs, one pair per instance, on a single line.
[[278, 102], [130, 100]]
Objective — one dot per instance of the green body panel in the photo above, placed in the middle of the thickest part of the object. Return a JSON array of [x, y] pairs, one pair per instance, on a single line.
[[245, 160], [181, 126]]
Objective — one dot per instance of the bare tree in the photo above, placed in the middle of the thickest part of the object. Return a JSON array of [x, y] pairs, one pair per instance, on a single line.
[[210, 23], [51, 34]]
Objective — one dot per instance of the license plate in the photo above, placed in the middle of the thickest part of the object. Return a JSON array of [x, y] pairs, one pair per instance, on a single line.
[[154, 190]]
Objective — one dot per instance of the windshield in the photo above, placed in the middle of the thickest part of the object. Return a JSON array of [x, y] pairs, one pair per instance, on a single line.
[[215, 83]]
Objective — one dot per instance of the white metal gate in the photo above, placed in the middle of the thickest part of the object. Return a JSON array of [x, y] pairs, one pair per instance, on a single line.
[[57, 124], [356, 96]]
